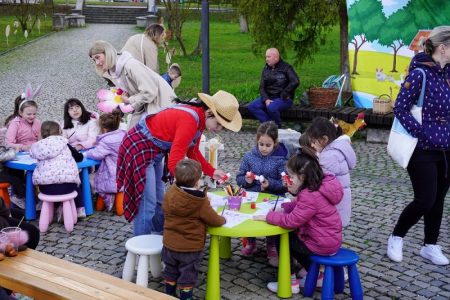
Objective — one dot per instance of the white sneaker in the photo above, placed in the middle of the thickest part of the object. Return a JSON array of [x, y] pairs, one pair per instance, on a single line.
[[434, 253], [319, 282], [19, 202], [295, 287], [81, 213], [395, 248]]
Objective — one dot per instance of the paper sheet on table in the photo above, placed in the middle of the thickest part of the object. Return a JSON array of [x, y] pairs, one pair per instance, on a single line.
[[25, 159], [264, 207], [234, 218], [217, 200], [250, 197]]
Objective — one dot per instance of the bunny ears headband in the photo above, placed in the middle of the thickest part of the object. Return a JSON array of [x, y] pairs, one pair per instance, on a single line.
[[29, 94]]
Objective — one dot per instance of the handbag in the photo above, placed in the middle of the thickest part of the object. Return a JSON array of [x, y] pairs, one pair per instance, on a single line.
[[401, 143]]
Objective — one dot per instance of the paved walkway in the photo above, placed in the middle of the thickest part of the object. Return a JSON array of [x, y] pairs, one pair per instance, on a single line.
[[380, 190]]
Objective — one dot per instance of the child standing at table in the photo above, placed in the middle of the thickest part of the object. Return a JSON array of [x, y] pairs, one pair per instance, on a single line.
[[312, 215], [336, 156], [56, 170], [187, 212], [80, 126], [267, 158], [106, 150]]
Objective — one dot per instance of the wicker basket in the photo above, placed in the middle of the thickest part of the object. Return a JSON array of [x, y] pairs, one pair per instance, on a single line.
[[323, 97], [382, 104]]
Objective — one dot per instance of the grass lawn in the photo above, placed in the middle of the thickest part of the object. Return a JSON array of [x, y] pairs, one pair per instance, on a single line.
[[236, 69], [19, 38]]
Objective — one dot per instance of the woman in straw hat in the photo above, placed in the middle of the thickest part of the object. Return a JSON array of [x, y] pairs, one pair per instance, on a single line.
[[175, 131], [145, 90]]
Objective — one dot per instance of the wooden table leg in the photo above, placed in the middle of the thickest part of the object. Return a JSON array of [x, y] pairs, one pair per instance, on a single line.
[[284, 268], [30, 204], [86, 190], [225, 247], [213, 277]]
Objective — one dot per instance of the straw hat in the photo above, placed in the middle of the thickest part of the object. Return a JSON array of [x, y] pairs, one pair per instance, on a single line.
[[225, 108]]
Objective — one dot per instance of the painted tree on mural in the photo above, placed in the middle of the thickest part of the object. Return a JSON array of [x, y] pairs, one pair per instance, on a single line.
[[367, 19]]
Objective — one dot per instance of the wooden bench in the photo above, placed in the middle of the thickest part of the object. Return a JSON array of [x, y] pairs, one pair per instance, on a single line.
[[302, 113], [42, 276]]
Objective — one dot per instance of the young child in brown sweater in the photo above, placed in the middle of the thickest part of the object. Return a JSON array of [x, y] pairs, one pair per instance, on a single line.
[[187, 212]]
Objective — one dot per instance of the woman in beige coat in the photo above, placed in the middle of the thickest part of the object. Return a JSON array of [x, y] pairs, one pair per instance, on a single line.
[[144, 89], [144, 46]]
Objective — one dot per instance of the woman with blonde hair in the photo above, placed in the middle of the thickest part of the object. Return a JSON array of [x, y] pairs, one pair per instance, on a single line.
[[145, 90], [144, 46]]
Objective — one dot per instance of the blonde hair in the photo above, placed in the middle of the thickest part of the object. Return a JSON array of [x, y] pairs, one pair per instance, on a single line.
[[103, 47], [438, 36], [155, 32]]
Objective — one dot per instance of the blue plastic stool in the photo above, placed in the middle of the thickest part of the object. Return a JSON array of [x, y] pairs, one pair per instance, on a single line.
[[334, 275]]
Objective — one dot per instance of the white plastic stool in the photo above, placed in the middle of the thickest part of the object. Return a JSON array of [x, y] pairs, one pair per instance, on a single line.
[[143, 246]]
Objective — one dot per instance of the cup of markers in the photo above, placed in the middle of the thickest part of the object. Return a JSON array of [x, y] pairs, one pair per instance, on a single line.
[[234, 197]]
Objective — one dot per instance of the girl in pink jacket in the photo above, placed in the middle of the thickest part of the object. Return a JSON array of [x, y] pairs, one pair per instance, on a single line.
[[313, 215], [24, 128]]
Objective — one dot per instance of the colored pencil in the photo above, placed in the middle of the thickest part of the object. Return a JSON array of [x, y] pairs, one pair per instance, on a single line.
[[276, 202], [223, 210]]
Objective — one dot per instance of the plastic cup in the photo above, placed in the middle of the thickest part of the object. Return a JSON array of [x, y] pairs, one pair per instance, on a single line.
[[234, 202], [3, 242], [13, 235]]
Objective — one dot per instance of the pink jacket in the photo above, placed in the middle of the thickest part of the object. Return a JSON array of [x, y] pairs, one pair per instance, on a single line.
[[55, 163], [20, 132], [315, 216]]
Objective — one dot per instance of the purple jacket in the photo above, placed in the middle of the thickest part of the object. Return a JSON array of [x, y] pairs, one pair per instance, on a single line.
[[434, 133], [315, 216], [339, 158], [106, 149]]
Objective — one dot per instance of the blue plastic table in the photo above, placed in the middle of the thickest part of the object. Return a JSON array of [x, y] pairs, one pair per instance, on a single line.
[[26, 163], [248, 228]]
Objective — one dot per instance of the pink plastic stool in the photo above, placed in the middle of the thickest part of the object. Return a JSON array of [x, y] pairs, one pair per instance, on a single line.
[[69, 210]]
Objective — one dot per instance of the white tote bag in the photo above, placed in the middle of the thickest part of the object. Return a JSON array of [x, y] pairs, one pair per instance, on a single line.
[[401, 144]]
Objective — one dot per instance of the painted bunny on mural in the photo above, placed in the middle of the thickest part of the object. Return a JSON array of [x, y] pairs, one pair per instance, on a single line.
[[380, 75]]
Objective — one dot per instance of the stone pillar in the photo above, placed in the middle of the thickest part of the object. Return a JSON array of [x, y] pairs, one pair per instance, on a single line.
[[59, 21], [151, 19]]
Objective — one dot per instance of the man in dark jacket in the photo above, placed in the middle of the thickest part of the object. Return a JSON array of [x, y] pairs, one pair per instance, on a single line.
[[277, 89]]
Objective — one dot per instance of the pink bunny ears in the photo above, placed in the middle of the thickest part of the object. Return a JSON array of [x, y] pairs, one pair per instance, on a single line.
[[29, 94]]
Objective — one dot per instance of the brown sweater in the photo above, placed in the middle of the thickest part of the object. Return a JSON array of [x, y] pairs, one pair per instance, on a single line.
[[185, 219]]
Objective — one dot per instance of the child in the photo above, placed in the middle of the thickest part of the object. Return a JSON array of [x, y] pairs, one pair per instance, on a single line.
[[173, 73], [56, 171], [336, 156], [268, 159], [106, 150], [80, 126], [23, 129], [186, 212], [313, 215], [18, 198]]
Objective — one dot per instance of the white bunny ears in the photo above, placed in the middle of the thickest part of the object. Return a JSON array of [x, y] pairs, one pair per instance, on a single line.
[[29, 94]]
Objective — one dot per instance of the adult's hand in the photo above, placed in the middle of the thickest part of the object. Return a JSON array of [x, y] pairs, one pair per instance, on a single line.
[[125, 98], [268, 101], [218, 174]]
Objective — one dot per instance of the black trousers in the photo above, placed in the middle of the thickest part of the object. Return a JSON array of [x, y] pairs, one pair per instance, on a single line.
[[298, 250], [16, 179], [429, 171]]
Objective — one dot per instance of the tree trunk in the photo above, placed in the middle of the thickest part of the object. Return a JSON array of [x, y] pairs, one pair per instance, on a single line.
[[198, 49], [344, 64], [243, 25], [181, 43], [355, 60]]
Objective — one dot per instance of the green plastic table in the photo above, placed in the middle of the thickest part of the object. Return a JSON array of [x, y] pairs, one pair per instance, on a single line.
[[248, 228]]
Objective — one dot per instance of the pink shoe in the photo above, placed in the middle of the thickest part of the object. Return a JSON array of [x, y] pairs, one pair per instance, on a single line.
[[249, 249], [272, 255]]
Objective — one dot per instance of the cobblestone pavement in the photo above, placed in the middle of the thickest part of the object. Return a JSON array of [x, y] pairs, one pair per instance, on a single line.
[[380, 188]]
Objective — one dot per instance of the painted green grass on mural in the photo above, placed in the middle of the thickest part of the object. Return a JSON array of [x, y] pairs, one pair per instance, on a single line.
[[368, 62], [18, 38], [236, 69]]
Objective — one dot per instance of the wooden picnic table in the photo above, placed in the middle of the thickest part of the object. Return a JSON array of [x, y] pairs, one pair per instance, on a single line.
[[42, 276]]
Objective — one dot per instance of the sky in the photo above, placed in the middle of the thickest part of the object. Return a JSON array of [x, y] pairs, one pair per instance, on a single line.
[[389, 6]]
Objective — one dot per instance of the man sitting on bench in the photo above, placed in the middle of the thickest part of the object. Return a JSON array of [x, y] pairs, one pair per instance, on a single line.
[[277, 89]]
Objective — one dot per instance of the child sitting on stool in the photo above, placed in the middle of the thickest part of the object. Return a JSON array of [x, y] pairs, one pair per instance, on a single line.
[[187, 211]]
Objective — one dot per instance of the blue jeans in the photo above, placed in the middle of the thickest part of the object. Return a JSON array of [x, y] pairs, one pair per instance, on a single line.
[[269, 113], [150, 218]]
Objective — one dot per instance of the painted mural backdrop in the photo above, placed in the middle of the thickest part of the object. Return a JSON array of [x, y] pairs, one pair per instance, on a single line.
[[383, 37]]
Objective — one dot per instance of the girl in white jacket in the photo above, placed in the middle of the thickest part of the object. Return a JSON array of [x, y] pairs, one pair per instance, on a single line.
[[80, 126]]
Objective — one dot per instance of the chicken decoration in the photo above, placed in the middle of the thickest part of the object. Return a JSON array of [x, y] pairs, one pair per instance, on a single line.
[[350, 128], [111, 99]]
